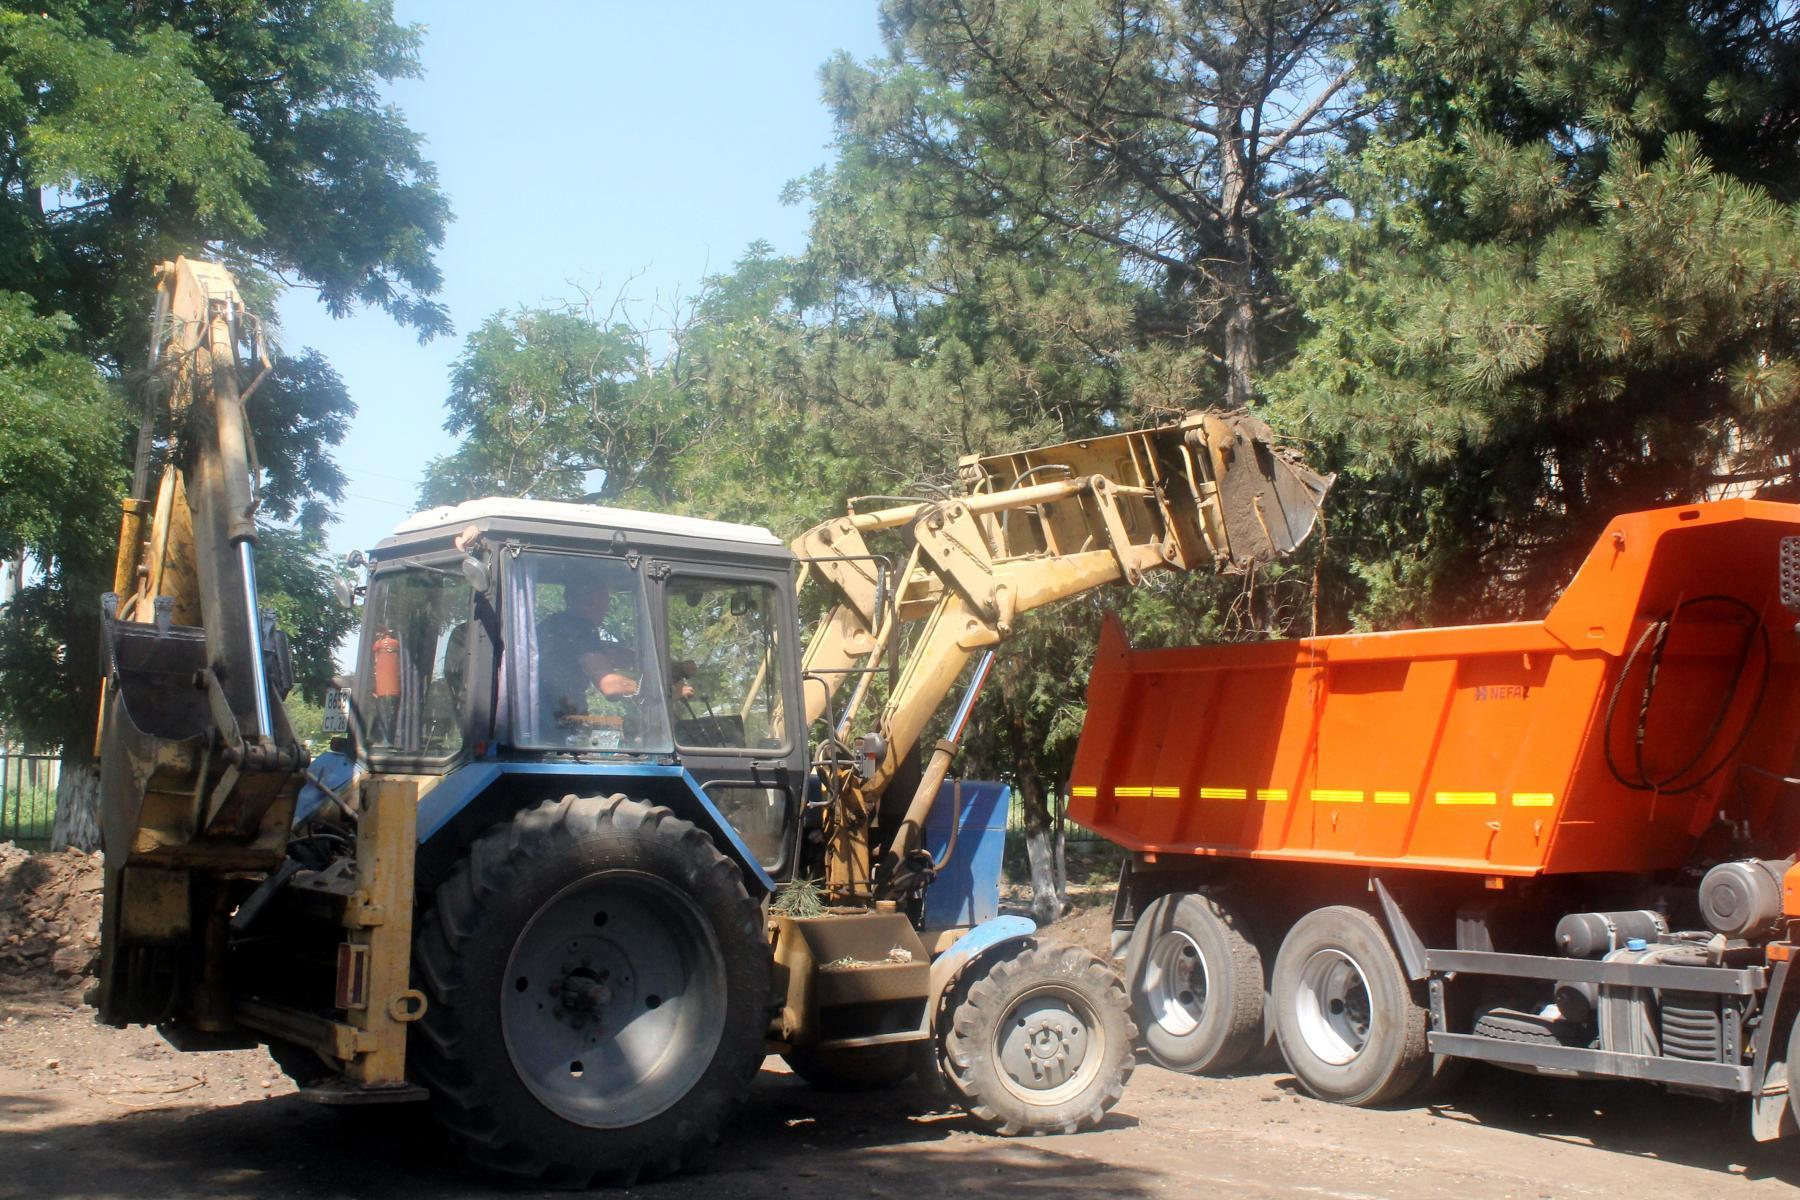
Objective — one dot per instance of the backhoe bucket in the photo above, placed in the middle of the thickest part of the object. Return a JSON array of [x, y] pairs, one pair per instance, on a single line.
[[172, 822], [158, 730], [152, 765]]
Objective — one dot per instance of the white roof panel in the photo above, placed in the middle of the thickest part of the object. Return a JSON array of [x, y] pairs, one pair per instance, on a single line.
[[585, 514]]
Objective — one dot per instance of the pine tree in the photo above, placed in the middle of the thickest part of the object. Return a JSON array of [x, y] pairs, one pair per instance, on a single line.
[[1566, 285]]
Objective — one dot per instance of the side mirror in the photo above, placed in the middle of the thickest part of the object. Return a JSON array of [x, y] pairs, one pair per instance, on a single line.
[[345, 591], [476, 572]]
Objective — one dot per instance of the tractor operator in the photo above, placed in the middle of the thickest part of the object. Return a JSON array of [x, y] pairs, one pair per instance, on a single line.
[[573, 655]]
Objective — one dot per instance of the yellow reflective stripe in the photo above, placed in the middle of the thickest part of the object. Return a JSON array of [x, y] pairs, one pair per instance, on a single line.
[[1335, 796], [1166, 793], [1272, 795], [1533, 800], [1084, 791], [1393, 797], [1207, 793], [1467, 798], [1131, 793]]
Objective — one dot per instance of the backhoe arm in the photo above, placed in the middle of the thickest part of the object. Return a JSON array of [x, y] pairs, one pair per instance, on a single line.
[[198, 764]]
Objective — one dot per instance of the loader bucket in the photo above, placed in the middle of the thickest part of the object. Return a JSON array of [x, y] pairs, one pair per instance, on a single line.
[[1267, 500], [1212, 489]]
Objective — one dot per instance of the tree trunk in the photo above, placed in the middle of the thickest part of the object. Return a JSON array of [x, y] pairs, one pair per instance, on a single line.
[[77, 804], [1047, 883], [1237, 272], [1046, 897]]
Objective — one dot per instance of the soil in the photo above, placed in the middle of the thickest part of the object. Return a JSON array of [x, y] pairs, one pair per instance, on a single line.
[[49, 916], [89, 1112]]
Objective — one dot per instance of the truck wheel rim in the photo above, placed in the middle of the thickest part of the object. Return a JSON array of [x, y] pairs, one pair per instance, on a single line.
[[613, 1001], [1175, 983], [1049, 1045], [1332, 1006]]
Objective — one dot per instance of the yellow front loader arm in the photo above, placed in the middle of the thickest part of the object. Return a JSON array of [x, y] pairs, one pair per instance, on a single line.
[[1030, 528]]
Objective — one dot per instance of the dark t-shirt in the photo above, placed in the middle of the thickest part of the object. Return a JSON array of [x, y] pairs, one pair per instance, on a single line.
[[563, 640]]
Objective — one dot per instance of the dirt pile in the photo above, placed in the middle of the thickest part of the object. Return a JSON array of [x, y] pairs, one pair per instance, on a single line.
[[49, 914]]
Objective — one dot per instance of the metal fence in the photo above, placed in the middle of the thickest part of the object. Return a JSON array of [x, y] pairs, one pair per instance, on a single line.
[[27, 796], [1073, 834]]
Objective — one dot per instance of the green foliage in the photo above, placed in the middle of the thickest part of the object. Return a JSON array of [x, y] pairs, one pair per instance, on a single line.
[[295, 577], [63, 428], [61, 433], [1170, 139], [1567, 287], [542, 397], [130, 133]]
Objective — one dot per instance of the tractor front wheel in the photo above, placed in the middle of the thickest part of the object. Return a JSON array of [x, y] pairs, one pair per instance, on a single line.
[[1039, 1040], [598, 981]]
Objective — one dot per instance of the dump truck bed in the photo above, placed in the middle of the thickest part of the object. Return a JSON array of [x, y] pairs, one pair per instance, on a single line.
[[1514, 749]]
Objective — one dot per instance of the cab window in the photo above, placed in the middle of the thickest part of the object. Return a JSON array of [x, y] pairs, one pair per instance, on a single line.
[[725, 682], [415, 658], [583, 665]]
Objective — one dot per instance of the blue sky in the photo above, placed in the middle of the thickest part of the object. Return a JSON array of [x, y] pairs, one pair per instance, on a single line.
[[580, 145]]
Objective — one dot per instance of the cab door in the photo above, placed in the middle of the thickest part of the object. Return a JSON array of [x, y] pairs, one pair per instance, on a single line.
[[730, 662]]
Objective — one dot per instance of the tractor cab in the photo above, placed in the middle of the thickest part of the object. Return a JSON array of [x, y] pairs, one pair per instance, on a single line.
[[539, 636]]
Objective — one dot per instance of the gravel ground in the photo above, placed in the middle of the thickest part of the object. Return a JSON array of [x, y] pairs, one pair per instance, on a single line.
[[88, 1113]]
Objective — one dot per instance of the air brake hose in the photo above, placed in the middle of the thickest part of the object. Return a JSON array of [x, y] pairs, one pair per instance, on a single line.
[[1659, 631]]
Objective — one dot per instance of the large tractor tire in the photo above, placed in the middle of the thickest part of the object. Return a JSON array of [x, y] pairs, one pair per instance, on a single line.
[[1196, 984], [1350, 1027], [597, 980], [1038, 1040]]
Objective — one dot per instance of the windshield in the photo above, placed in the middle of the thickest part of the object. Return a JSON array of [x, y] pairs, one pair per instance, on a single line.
[[725, 662], [578, 639], [415, 660]]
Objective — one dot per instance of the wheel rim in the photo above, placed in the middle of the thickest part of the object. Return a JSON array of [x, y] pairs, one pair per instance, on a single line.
[[1332, 1006], [1049, 1045], [613, 1002], [1175, 983]]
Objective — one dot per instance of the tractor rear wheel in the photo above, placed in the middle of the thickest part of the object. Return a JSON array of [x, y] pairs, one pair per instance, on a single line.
[[1196, 984], [598, 981], [1039, 1040], [1349, 1026]]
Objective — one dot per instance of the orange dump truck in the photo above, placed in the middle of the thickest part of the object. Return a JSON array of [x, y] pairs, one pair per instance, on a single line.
[[1564, 845]]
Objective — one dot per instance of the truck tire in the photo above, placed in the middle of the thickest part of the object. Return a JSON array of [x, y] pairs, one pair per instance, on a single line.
[[598, 983], [1196, 984], [1349, 1026], [1039, 1040]]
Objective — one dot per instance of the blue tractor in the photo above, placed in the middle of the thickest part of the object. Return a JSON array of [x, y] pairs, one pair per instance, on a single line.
[[600, 831]]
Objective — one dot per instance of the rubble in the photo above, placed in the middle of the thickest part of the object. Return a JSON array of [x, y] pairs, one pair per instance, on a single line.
[[49, 915]]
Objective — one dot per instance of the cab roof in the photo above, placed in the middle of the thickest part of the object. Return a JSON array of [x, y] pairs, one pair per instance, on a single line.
[[558, 512]]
